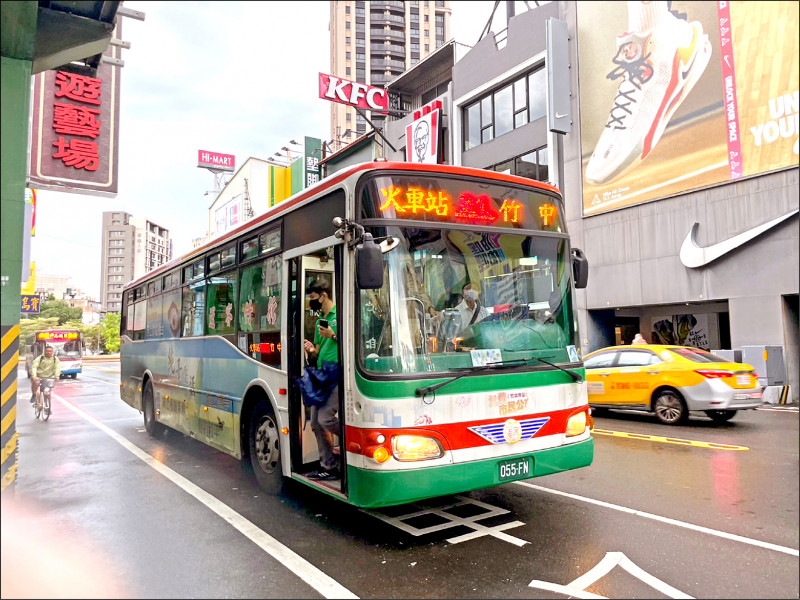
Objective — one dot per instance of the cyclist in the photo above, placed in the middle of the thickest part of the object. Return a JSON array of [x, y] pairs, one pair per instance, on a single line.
[[45, 365]]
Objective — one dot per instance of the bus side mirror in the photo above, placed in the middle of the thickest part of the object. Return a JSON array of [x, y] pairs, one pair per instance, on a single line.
[[580, 268], [369, 264]]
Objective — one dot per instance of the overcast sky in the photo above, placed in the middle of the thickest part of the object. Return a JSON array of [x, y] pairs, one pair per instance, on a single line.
[[235, 77]]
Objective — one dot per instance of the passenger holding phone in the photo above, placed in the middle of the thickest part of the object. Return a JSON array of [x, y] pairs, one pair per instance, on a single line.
[[324, 417]]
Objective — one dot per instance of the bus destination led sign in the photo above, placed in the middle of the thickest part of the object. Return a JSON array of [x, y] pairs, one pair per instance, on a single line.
[[414, 202], [57, 336]]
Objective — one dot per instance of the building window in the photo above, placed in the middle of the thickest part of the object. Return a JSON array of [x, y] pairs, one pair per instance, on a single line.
[[514, 105], [347, 40], [532, 165], [347, 10], [347, 24], [347, 71], [537, 88]]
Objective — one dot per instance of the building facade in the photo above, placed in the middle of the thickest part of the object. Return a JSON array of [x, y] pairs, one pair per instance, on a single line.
[[682, 193], [131, 247], [373, 43]]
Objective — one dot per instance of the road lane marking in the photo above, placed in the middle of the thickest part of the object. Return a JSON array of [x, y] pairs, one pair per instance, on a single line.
[[449, 519], [578, 587], [667, 520], [321, 582], [669, 440]]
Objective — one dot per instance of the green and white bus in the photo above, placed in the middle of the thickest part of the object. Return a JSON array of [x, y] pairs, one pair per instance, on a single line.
[[435, 398]]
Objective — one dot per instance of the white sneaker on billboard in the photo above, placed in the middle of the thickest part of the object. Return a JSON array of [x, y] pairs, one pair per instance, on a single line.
[[658, 69]]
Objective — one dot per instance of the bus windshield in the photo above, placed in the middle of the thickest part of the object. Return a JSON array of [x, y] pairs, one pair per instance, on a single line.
[[454, 299], [67, 349]]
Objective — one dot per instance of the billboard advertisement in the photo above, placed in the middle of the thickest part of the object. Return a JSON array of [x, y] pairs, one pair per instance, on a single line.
[[75, 130], [684, 95], [216, 161]]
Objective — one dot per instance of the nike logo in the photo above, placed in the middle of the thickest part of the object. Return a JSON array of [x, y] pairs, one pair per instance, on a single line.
[[560, 116], [694, 256]]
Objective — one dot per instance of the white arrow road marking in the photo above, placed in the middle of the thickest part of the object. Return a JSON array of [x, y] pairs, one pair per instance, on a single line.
[[610, 560]]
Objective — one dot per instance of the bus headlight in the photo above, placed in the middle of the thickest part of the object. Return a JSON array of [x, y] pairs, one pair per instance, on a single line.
[[416, 447], [576, 424]]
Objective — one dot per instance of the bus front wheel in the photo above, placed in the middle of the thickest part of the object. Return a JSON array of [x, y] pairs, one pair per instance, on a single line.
[[153, 427], [265, 448]]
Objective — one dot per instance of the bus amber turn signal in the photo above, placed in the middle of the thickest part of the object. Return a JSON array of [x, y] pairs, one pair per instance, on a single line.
[[380, 454]]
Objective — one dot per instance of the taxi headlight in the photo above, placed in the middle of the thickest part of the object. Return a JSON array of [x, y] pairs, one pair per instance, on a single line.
[[576, 424], [416, 447]]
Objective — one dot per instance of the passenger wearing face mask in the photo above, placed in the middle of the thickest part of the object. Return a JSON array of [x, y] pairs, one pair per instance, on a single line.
[[470, 307]]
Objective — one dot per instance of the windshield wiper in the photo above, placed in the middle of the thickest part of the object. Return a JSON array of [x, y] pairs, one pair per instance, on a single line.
[[575, 377], [423, 391]]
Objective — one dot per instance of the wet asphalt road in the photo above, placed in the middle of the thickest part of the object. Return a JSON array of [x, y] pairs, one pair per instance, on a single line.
[[651, 518]]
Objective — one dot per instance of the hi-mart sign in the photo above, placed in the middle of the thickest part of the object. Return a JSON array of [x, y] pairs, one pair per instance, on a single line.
[[352, 93], [215, 160]]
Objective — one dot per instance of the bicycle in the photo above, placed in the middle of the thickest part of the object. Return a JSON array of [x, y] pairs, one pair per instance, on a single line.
[[41, 407]]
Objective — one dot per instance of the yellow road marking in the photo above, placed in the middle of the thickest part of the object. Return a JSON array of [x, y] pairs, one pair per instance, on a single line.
[[669, 440]]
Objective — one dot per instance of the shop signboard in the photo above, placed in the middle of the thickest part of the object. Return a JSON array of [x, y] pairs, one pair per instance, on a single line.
[[216, 161], [352, 93], [75, 130], [423, 136]]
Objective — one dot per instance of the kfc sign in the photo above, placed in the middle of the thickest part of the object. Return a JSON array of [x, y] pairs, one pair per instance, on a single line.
[[352, 93], [423, 138], [215, 160]]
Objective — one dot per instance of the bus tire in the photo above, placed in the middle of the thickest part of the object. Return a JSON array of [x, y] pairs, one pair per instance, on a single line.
[[264, 447], [153, 427]]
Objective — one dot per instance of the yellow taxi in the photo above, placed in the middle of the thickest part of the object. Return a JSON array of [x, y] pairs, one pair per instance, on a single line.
[[670, 381]]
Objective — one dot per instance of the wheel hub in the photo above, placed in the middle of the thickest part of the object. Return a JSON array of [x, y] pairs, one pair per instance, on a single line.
[[266, 445], [669, 408]]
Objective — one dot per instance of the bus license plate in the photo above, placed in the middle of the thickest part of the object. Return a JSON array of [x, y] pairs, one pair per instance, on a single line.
[[517, 468]]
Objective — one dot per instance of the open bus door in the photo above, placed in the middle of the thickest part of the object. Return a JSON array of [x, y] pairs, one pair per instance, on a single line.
[[317, 263]]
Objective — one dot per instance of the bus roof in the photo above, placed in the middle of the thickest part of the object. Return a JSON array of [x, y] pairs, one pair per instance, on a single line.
[[329, 182]]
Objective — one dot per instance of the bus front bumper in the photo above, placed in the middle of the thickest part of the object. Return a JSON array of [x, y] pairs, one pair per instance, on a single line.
[[373, 489]]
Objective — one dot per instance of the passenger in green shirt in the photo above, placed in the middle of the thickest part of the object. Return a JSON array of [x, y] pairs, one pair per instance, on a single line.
[[324, 418]]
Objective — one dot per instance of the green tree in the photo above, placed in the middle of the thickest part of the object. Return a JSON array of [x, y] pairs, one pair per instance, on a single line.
[[60, 310], [109, 327]]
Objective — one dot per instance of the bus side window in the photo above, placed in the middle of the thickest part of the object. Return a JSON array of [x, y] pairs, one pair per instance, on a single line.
[[154, 328], [193, 309], [260, 309]]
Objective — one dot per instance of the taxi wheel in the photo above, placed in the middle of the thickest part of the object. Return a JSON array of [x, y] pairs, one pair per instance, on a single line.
[[720, 416], [670, 407]]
